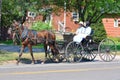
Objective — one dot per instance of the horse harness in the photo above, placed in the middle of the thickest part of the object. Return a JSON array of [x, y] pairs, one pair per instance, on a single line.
[[31, 35], [33, 38]]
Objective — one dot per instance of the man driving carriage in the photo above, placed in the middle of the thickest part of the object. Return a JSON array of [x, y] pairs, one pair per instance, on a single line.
[[82, 32]]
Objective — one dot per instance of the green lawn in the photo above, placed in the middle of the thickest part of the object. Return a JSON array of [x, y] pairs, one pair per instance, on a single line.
[[12, 56]]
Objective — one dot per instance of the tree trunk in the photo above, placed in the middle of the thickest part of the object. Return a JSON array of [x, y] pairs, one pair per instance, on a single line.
[[0, 16], [44, 18], [24, 17]]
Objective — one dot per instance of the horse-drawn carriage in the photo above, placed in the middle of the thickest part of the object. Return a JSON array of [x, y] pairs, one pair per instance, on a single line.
[[88, 49], [69, 50]]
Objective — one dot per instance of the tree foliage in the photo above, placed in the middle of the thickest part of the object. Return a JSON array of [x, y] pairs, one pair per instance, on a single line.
[[99, 32], [0, 11], [16, 9], [91, 10]]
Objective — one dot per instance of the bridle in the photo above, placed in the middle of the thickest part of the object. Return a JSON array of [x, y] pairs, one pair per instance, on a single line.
[[16, 34]]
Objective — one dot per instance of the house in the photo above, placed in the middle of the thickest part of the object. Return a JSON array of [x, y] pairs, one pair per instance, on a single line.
[[112, 25], [70, 21], [111, 22], [57, 21]]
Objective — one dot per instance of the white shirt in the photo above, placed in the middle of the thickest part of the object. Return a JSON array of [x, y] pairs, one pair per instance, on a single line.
[[81, 33], [82, 30]]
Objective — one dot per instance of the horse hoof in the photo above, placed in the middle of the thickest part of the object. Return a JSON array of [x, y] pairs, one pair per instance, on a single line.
[[64, 60], [17, 63], [56, 60], [42, 62], [33, 63]]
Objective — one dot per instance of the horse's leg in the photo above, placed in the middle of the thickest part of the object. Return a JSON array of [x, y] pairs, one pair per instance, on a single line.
[[20, 54], [54, 52], [45, 48], [31, 53]]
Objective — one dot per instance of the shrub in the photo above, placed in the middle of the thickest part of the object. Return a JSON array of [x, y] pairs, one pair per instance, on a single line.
[[99, 32], [41, 26], [115, 39]]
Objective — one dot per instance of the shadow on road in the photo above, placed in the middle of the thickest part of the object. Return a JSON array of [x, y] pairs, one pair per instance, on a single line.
[[29, 61]]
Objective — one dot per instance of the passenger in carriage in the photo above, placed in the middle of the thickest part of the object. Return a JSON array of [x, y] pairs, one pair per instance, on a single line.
[[82, 32]]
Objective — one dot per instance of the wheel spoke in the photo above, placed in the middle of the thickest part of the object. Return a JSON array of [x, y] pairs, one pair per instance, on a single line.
[[89, 55], [73, 52], [107, 50]]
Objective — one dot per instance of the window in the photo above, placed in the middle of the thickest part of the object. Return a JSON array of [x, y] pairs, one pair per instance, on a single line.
[[75, 16], [117, 23], [31, 14]]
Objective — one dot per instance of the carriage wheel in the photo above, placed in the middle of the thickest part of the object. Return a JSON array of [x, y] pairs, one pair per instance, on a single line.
[[52, 57], [89, 55], [73, 52], [90, 52], [107, 50], [61, 49]]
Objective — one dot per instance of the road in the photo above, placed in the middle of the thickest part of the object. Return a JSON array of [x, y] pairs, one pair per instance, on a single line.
[[95, 70], [13, 48]]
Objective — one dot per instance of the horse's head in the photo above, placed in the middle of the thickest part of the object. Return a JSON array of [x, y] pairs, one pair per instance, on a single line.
[[17, 25], [14, 31]]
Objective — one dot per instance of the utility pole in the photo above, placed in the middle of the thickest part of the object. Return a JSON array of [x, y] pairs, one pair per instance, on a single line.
[[64, 16]]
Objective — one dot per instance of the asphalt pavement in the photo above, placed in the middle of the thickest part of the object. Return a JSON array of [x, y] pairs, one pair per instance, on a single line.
[[14, 48], [62, 71]]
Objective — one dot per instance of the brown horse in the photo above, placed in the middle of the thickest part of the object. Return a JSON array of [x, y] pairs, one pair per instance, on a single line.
[[31, 37]]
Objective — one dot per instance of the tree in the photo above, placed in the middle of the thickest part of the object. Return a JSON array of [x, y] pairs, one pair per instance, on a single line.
[[91, 10], [17, 9], [0, 11], [0, 16]]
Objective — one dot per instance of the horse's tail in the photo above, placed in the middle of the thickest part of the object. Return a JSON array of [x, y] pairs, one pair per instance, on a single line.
[[52, 36]]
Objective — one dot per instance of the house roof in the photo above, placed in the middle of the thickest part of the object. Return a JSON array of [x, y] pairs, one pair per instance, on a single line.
[[112, 15]]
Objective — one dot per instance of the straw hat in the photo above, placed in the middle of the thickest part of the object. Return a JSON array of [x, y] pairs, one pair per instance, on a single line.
[[81, 23]]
